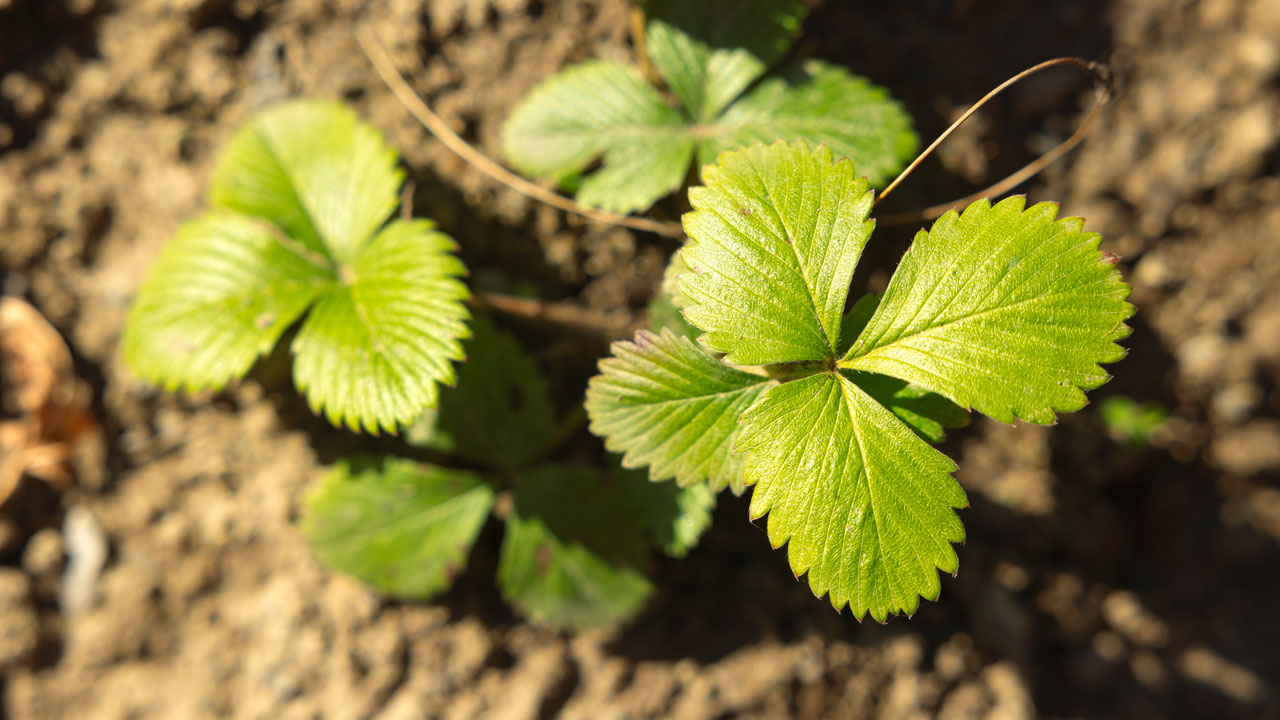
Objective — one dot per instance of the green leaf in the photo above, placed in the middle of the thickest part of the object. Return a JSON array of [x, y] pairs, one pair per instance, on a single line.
[[775, 235], [594, 109], [865, 506], [1003, 309], [708, 52], [372, 350], [819, 103], [1130, 421], [301, 192], [573, 550], [668, 405], [402, 527], [674, 517], [499, 412], [220, 295], [315, 170]]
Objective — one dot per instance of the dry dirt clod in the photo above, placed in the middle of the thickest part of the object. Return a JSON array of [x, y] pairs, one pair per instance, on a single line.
[[19, 629]]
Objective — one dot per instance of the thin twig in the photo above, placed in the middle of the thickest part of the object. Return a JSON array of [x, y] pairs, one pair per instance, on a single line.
[[391, 76], [1104, 84], [636, 21], [406, 200], [563, 313]]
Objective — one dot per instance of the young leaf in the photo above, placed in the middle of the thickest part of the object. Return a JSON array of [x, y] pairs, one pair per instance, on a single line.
[[667, 404], [573, 550], [774, 237], [865, 506], [708, 52], [219, 296], [402, 527], [374, 347], [302, 191], [601, 108], [1003, 309], [499, 413], [820, 104]]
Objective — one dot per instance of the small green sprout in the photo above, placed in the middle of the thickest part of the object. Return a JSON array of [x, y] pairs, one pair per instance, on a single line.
[[1130, 421]]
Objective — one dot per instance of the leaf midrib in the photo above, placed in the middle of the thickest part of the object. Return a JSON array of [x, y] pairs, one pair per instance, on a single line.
[[307, 212]]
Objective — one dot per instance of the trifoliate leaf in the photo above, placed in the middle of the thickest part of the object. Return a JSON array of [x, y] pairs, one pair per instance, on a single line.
[[708, 52], [674, 517], [929, 414], [402, 527], [372, 350], [667, 404], [774, 237], [499, 413], [303, 190], [1002, 309], [601, 108], [865, 506], [219, 296], [315, 170], [573, 552], [819, 103]]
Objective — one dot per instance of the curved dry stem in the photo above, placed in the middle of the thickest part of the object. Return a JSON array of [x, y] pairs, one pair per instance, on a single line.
[[1104, 84], [381, 61], [565, 313]]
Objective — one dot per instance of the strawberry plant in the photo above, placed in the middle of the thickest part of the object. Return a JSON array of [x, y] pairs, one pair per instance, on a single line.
[[828, 411], [299, 229], [576, 539], [301, 198], [714, 58]]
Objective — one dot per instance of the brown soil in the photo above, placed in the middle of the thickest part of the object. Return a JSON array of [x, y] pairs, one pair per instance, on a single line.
[[1099, 580]]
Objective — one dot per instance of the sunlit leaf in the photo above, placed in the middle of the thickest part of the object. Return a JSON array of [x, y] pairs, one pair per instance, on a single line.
[[220, 295], [774, 237], [668, 405], [1005, 309], [303, 191], [865, 507]]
